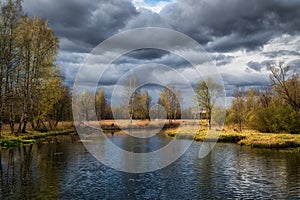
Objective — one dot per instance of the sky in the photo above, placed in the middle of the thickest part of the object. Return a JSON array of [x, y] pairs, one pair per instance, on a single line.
[[242, 37]]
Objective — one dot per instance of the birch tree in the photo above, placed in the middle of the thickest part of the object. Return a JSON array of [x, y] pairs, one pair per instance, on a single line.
[[207, 93]]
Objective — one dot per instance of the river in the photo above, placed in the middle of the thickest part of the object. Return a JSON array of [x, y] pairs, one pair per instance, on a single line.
[[62, 168]]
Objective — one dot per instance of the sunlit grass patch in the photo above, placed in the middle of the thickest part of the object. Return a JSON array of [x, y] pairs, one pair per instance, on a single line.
[[268, 140], [9, 140], [249, 138]]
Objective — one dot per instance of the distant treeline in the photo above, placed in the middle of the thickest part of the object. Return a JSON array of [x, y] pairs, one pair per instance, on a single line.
[[135, 105], [31, 87]]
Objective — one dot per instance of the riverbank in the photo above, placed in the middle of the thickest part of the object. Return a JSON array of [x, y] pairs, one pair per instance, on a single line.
[[11, 141], [118, 125], [248, 138]]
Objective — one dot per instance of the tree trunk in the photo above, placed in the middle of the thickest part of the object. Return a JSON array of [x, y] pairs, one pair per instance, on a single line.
[[209, 119], [12, 126], [24, 126], [12, 117], [0, 128], [20, 124]]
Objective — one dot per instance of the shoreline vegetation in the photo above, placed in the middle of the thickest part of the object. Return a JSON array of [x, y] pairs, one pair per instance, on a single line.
[[248, 138], [31, 137], [8, 140]]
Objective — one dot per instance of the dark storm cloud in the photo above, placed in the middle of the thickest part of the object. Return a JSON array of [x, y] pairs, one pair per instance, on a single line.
[[234, 24], [86, 22], [221, 59], [217, 24], [74, 45], [147, 54], [237, 41]]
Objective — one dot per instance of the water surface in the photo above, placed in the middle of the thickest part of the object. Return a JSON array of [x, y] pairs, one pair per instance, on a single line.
[[63, 169]]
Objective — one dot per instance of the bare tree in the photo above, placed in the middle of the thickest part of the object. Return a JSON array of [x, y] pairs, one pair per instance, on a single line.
[[100, 104], [10, 13], [287, 87], [207, 93], [239, 107], [38, 48], [131, 96], [145, 104], [170, 99]]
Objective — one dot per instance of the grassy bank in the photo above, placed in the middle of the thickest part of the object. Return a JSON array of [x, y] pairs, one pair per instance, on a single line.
[[246, 138], [10, 141]]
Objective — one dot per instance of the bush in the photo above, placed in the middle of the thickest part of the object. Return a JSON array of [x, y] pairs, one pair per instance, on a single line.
[[276, 118]]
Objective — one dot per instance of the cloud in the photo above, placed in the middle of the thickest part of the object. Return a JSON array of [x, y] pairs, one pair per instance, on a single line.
[[244, 80], [276, 54], [259, 66], [147, 54], [242, 37], [127, 64], [221, 59], [80, 22], [146, 18], [233, 24], [236, 41], [294, 66], [216, 24], [254, 65], [152, 5]]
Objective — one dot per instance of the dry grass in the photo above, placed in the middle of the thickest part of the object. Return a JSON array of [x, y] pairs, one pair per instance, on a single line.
[[270, 140], [249, 138], [65, 125], [136, 124]]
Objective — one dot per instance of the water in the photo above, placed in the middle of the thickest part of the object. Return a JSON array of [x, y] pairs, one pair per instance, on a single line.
[[63, 169]]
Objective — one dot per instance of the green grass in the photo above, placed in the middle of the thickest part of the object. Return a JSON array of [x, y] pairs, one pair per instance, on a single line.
[[10, 141]]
